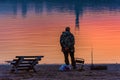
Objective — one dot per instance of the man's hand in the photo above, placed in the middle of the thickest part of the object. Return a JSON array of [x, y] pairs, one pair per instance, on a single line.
[[66, 48]]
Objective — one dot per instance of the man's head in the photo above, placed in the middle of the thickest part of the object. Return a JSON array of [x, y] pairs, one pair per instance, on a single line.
[[67, 29]]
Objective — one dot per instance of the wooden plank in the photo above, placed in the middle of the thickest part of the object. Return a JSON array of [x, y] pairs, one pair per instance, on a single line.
[[25, 66], [8, 61], [25, 59], [29, 56]]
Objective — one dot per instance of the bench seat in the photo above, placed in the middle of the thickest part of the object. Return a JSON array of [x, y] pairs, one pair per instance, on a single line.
[[25, 63]]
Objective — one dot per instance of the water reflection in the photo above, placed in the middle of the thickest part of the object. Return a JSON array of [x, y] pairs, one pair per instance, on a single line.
[[78, 12], [71, 6], [77, 6], [37, 24]]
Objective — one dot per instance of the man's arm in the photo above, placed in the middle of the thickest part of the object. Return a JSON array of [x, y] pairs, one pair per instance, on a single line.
[[62, 41], [73, 40]]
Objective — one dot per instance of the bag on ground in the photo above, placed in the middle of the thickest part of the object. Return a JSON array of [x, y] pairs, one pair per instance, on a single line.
[[65, 67]]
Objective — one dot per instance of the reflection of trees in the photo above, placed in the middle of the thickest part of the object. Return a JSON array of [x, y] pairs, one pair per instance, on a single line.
[[15, 7], [39, 5], [78, 12], [24, 8], [77, 6]]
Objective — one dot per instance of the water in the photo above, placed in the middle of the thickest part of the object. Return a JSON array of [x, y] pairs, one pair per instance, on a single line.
[[33, 27]]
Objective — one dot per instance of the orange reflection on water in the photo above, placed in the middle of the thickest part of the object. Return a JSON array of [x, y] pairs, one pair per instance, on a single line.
[[32, 36], [103, 32], [39, 35]]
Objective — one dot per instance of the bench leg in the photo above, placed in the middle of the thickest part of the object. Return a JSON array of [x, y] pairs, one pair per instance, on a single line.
[[14, 69], [34, 70], [31, 68]]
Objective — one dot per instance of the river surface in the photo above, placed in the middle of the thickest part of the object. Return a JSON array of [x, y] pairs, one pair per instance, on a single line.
[[33, 27]]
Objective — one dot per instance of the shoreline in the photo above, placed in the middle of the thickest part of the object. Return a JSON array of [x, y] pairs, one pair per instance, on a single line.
[[51, 72]]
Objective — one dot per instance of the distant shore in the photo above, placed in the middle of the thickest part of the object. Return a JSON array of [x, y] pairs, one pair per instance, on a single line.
[[51, 72]]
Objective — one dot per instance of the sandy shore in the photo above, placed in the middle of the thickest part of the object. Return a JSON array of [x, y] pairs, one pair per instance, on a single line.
[[51, 72]]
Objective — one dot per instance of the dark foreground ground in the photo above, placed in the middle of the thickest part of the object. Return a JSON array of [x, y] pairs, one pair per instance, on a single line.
[[51, 72]]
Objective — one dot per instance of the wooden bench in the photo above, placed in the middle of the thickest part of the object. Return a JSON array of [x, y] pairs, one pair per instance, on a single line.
[[25, 63], [80, 62]]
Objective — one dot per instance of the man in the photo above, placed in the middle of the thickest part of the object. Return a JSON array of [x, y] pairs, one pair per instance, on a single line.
[[67, 42]]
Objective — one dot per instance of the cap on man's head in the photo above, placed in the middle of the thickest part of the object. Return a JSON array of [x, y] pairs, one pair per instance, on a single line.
[[67, 29]]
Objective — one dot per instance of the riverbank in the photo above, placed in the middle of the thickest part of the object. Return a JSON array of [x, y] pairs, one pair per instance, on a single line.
[[51, 72]]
